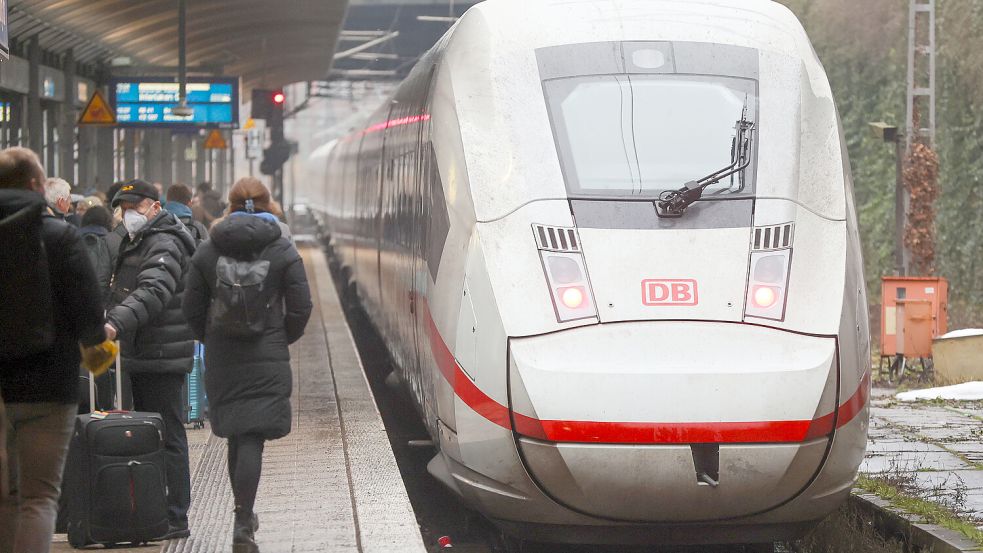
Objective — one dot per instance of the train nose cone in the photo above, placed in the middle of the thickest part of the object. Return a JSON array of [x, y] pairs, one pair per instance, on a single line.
[[656, 421]]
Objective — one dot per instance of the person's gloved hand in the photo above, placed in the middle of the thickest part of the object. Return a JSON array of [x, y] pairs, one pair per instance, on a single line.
[[97, 359]]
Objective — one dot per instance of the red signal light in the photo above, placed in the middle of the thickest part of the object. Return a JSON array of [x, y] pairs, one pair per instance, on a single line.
[[278, 98]]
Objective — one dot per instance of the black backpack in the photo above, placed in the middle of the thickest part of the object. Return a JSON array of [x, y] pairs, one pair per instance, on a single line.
[[101, 258], [27, 323], [242, 298], [193, 229]]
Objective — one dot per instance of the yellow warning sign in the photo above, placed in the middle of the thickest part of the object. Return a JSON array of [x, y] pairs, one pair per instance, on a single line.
[[250, 124], [97, 112], [215, 140]]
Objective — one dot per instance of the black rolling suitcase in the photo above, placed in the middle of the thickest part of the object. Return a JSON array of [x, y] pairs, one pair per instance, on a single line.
[[104, 400], [114, 476]]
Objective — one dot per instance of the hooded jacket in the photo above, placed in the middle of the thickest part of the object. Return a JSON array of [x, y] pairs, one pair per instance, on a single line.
[[248, 382], [185, 215], [145, 298], [52, 375]]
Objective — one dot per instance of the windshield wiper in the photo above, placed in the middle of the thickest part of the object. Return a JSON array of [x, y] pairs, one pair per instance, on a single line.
[[673, 203]]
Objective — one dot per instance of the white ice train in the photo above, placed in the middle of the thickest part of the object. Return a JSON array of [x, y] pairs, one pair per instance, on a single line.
[[612, 248]]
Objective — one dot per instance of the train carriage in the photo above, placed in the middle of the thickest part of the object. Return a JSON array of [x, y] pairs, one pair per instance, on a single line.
[[612, 249]]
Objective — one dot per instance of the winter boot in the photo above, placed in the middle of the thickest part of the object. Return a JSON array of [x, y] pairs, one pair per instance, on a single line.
[[243, 530]]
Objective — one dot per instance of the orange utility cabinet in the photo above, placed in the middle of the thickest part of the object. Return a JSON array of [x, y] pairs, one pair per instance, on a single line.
[[913, 312]]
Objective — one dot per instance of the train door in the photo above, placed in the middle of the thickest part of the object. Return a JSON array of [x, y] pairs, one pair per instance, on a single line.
[[381, 161], [425, 170], [403, 278], [342, 228], [358, 209], [425, 279], [411, 241], [387, 155]]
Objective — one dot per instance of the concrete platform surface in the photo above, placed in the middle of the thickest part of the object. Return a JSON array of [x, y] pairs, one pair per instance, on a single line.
[[932, 449], [332, 485]]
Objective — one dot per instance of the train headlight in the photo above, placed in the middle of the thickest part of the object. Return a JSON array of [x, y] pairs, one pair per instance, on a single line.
[[564, 269], [770, 268], [768, 284], [566, 273]]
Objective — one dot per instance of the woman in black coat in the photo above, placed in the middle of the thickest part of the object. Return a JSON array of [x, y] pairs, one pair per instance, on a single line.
[[248, 380]]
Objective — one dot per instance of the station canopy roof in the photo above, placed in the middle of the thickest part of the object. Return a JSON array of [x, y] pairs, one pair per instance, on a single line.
[[267, 43]]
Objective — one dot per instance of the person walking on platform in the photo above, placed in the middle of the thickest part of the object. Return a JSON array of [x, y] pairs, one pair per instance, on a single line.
[[58, 194], [247, 268], [118, 230], [157, 348], [51, 304], [179, 199], [96, 224], [86, 204], [207, 204]]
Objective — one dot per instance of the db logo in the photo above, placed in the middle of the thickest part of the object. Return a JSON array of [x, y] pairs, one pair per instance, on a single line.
[[679, 291]]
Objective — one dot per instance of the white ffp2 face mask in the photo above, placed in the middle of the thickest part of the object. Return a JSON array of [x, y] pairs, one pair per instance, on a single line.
[[134, 221]]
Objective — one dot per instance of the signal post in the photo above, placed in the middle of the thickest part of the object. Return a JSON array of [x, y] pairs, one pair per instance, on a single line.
[[268, 105]]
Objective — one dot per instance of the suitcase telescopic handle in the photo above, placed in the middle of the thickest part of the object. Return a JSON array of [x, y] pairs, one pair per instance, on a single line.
[[118, 401], [118, 396], [92, 393]]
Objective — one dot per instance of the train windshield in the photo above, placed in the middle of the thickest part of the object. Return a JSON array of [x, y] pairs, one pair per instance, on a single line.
[[638, 135]]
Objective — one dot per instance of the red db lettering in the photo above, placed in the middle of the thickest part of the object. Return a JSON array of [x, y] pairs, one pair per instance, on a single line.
[[659, 291], [675, 291], [681, 293]]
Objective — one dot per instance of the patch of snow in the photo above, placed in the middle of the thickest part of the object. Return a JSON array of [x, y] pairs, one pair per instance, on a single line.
[[967, 391], [964, 332]]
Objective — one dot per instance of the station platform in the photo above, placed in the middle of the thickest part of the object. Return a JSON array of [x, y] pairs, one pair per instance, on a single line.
[[928, 450], [333, 483]]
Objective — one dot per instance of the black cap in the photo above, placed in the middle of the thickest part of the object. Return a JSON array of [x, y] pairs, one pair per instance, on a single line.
[[135, 191]]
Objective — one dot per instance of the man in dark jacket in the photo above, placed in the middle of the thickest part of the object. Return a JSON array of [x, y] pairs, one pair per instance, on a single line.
[[156, 344], [58, 194], [179, 199], [41, 390]]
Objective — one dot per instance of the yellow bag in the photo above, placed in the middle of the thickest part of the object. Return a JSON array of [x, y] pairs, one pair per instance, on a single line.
[[97, 359]]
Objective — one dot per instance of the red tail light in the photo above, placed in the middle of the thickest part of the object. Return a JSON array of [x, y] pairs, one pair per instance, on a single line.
[[764, 296], [768, 284], [566, 276], [573, 297]]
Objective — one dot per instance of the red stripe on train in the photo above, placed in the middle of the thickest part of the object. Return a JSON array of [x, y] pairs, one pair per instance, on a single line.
[[673, 433], [845, 413], [638, 432], [464, 387]]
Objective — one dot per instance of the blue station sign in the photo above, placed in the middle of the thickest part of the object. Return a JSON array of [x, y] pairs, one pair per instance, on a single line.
[[149, 102]]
